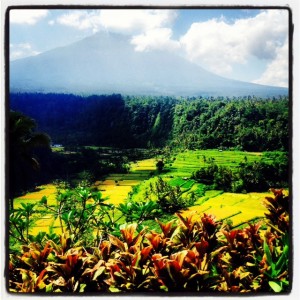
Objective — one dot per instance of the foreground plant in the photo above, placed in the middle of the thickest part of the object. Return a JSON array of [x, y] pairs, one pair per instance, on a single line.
[[258, 260], [20, 221], [192, 254]]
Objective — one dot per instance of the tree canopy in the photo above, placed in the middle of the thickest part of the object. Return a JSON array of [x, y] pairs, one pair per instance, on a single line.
[[249, 123]]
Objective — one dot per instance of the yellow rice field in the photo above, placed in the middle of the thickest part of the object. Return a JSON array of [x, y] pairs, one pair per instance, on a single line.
[[116, 192], [238, 208], [44, 223], [47, 190], [113, 193], [144, 165], [244, 207]]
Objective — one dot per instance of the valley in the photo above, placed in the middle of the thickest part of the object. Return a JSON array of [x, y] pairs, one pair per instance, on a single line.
[[129, 179], [236, 209]]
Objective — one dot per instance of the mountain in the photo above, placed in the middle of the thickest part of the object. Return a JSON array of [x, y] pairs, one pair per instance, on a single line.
[[107, 63]]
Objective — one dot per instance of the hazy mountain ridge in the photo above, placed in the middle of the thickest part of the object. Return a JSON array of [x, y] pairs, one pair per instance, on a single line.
[[107, 63]]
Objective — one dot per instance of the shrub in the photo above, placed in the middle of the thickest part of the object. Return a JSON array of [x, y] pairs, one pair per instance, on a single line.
[[250, 177], [139, 211], [194, 254], [170, 199], [159, 166]]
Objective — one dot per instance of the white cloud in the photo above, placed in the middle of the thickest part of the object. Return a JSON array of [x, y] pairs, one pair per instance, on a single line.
[[214, 45], [265, 33], [157, 38], [217, 45], [277, 70], [27, 16], [21, 50], [146, 26], [81, 20], [136, 20], [131, 21]]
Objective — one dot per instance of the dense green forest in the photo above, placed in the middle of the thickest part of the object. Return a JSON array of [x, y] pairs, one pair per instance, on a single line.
[[249, 123]]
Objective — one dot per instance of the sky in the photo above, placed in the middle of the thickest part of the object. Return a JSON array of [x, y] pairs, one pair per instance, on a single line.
[[245, 44]]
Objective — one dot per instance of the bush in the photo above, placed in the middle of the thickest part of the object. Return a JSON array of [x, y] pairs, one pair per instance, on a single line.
[[170, 199], [250, 177], [159, 166], [194, 254], [139, 211]]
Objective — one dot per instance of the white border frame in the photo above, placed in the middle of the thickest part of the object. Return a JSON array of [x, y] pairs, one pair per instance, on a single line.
[[294, 5]]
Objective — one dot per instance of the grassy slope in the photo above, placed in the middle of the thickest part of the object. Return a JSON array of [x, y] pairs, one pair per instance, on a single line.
[[190, 161]]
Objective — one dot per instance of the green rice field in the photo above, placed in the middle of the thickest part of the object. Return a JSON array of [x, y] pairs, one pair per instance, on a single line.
[[187, 162], [239, 208]]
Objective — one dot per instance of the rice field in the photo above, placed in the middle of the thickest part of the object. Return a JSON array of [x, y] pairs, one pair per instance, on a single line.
[[47, 190], [190, 161], [239, 208], [43, 223], [116, 187]]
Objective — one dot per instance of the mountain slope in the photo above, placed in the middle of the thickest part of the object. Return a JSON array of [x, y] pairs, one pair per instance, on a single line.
[[107, 63]]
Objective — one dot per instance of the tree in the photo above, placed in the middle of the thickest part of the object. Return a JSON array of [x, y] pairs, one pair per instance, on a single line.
[[160, 165], [223, 178], [22, 141], [170, 199]]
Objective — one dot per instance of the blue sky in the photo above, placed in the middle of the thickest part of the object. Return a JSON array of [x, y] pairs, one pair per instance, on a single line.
[[244, 44]]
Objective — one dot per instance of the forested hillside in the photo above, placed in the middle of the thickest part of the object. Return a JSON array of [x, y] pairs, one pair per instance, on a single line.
[[248, 123]]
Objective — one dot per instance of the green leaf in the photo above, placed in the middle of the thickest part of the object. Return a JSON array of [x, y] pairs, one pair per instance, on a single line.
[[268, 253], [163, 288], [70, 216], [114, 289], [98, 272], [283, 259], [82, 287], [43, 200], [24, 205], [49, 288], [119, 275], [275, 286]]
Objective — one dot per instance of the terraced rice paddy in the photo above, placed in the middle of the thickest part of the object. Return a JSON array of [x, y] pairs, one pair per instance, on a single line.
[[114, 188], [239, 208], [190, 161], [117, 186], [44, 222], [47, 190]]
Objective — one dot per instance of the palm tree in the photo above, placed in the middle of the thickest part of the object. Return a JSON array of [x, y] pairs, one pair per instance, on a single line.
[[22, 141]]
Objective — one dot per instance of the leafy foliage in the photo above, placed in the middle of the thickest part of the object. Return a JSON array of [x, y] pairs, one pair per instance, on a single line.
[[249, 123], [194, 254], [160, 165], [169, 198], [256, 176], [139, 211], [23, 139], [20, 221]]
